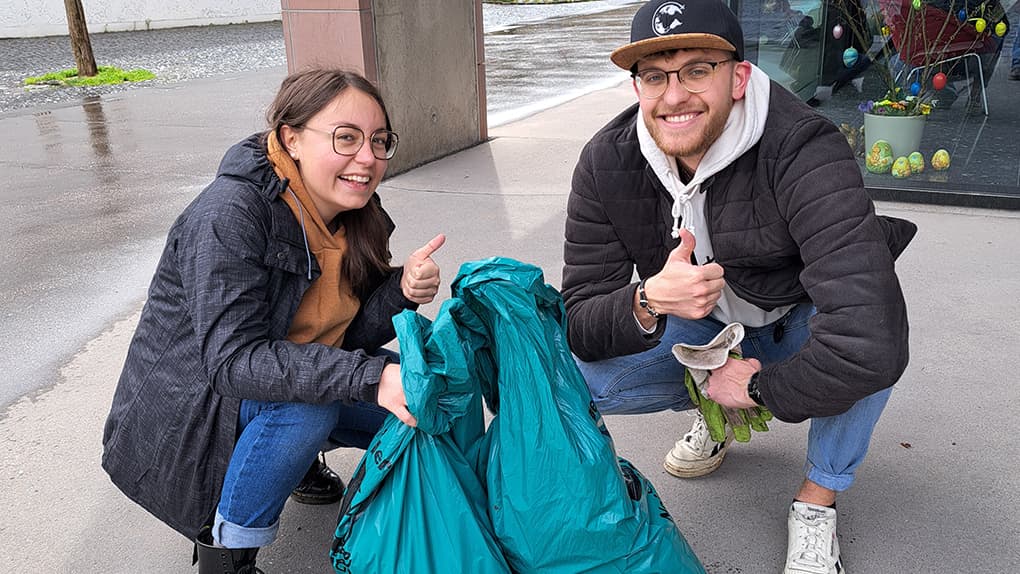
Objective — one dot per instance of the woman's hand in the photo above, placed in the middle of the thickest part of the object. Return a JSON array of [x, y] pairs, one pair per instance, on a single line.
[[420, 281], [391, 394]]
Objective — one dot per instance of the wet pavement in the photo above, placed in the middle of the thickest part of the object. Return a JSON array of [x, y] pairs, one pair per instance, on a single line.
[[553, 61], [174, 55], [91, 190]]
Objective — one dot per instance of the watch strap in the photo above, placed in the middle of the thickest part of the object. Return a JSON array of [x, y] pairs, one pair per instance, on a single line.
[[752, 390]]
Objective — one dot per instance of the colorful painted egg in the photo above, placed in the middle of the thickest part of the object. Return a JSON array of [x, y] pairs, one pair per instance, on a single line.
[[879, 158], [916, 161], [962, 15], [916, 4], [915, 89], [980, 25], [938, 81], [837, 31], [940, 160], [886, 31], [1000, 29], [849, 57], [901, 167]]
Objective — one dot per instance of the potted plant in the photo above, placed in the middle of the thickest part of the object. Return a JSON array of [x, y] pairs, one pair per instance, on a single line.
[[920, 44]]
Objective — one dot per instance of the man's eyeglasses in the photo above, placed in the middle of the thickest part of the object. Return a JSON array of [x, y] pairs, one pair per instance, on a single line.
[[695, 78], [348, 140]]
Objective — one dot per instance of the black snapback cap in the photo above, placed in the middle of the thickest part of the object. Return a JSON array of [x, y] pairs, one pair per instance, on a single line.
[[663, 25]]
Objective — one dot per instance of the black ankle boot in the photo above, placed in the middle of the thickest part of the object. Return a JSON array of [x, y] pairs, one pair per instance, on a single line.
[[214, 560], [320, 485]]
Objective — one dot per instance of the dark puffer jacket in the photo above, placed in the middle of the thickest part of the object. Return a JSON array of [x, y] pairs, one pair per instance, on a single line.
[[790, 222], [213, 332]]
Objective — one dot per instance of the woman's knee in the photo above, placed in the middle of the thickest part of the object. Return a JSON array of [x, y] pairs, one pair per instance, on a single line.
[[299, 423]]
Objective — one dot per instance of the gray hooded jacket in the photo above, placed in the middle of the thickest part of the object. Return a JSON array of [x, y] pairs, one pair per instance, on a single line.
[[213, 332]]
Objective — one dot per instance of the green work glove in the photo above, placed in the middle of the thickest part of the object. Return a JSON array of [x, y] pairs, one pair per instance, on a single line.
[[742, 421], [698, 362]]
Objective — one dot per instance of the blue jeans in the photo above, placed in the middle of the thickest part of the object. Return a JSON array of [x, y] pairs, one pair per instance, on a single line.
[[278, 442], [653, 381], [1015, 54]]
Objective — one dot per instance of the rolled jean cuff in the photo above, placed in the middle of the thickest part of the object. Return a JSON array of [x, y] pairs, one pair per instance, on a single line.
[[836, 482], [230, 535]]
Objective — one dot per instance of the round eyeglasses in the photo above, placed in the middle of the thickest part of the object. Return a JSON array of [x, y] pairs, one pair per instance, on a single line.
[[348, 140], [695, 78]]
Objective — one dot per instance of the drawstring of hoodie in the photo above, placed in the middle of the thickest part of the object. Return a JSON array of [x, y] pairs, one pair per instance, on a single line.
[[304, 234], [682, 209]]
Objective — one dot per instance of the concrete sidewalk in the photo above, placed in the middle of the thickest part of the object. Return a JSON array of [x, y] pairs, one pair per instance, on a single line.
[[937, 493]]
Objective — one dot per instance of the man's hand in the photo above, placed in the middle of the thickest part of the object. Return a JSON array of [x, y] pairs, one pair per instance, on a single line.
[[420, 281], [727, 385], [681, 289], [391, 394]]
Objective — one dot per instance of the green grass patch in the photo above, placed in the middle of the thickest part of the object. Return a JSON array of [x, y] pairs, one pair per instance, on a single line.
[[107, 75]]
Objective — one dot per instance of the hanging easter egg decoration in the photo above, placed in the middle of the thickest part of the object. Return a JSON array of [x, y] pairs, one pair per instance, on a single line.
[[837, 31], [980, 25], [916, 4], [938, 81], [1000, 29], [850, 57], [915, 89], [962, 15], [885, 30]]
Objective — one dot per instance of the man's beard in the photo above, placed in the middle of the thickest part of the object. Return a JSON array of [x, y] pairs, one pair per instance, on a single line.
[[686, 148]]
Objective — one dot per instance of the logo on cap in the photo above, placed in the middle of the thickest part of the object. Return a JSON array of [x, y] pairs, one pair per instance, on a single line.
[[667, 17]]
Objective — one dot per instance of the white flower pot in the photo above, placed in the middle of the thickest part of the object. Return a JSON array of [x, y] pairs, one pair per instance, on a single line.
[[904, 133]]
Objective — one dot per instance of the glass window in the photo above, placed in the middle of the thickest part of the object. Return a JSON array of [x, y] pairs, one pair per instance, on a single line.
[[803, 45]]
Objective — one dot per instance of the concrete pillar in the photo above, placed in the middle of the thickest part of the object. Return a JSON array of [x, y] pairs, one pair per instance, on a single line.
[[426, 56]]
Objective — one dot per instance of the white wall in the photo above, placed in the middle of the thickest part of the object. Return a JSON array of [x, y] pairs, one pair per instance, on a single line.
[[24, 18]]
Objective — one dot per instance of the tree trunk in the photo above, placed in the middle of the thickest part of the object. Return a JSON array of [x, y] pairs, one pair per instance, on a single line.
[[80, 43]]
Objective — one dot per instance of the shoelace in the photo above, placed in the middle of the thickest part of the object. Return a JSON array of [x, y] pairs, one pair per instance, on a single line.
[[699, 428], [698, 438], [812, 543]]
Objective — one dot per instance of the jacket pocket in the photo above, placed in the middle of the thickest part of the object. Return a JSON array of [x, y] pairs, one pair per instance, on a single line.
[[290, 257]]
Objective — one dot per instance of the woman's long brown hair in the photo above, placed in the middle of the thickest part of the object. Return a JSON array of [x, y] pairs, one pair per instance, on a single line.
[[301, 96]]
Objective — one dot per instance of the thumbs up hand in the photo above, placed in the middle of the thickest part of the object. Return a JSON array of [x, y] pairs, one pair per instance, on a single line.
[[682, 289], [420, 281]]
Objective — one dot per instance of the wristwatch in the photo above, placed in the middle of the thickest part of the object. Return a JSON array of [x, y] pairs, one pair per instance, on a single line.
[[752, 390]]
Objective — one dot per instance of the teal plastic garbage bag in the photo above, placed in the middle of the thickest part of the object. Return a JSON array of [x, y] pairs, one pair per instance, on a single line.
[[541, 490], [560, 499], [416, 504]]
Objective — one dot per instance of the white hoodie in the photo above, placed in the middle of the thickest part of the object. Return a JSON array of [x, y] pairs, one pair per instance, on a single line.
[[743, 129]]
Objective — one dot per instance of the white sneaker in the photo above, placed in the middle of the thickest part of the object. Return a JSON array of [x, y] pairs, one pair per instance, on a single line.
[[696, 454], [812, 547]]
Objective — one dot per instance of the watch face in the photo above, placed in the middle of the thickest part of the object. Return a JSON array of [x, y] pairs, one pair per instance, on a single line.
[[752, 390]]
